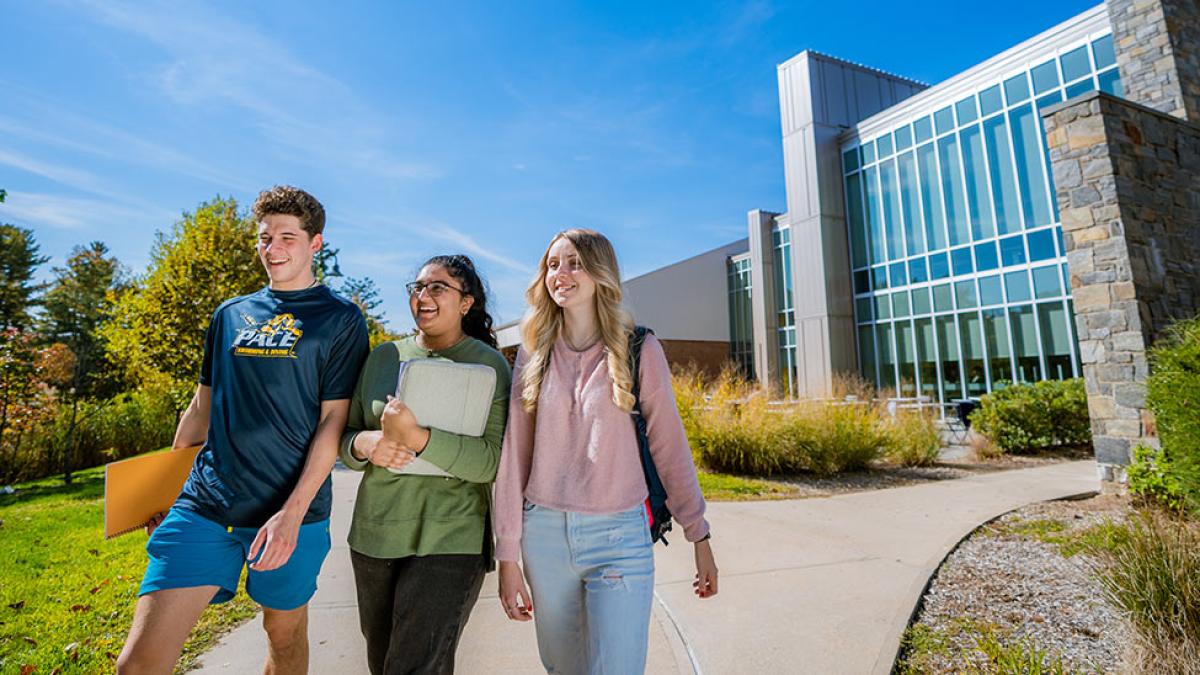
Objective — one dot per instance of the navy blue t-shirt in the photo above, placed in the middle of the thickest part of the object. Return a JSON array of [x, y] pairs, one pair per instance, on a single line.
[[271, 358]]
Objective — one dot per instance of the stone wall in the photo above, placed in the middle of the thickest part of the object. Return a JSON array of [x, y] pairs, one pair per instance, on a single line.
[[1128, 189], [1158, 50]]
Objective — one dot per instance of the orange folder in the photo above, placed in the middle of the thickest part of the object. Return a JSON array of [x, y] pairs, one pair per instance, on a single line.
[[137, 488]]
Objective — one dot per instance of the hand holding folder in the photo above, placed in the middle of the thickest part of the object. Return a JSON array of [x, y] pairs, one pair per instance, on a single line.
[[138, 488]]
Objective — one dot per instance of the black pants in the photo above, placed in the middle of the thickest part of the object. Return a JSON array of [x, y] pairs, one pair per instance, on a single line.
[[413, 610]]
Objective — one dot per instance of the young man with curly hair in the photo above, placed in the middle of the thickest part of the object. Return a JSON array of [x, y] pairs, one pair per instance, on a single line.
[[279, 369]]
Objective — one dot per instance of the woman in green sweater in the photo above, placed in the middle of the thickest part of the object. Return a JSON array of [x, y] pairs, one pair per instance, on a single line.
[[420, 545]]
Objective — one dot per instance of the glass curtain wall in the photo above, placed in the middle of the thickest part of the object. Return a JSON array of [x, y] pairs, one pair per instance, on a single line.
[[781, 240], [741, 316], [955, 240]]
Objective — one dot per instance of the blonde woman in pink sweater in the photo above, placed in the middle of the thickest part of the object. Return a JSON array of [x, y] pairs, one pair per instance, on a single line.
[[570, 492]]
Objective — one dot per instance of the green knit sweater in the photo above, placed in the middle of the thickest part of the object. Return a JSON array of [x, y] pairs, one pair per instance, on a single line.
[[399, 515]]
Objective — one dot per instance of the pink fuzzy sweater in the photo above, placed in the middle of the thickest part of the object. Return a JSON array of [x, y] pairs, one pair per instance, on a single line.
[[579, 451]]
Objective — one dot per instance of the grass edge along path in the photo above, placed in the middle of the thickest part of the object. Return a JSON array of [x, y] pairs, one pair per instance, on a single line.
[[66, 594]]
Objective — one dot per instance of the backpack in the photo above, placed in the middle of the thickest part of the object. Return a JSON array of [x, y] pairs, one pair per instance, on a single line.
[[656, 503]]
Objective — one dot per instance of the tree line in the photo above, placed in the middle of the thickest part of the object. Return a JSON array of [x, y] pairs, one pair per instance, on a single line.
[[96, 363]]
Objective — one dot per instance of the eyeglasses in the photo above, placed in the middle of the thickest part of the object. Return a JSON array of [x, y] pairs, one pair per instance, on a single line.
[[435, 288]]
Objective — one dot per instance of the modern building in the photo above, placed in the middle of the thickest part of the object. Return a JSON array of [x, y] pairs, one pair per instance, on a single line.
[[1036, 216]]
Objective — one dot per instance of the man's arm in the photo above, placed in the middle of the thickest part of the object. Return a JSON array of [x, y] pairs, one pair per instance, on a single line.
[[277, 538], [193, 423]]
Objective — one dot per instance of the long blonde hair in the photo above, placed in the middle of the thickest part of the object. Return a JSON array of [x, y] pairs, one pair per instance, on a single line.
[[543, 321]]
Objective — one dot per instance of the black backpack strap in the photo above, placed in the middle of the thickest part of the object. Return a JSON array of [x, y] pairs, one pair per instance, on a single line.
[[660, 515]]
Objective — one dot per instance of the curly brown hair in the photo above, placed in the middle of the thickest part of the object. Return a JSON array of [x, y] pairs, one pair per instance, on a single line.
[[287, 200]]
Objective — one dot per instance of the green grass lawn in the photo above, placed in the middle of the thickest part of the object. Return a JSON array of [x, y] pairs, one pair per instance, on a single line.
[[724, 487], [66, 594]]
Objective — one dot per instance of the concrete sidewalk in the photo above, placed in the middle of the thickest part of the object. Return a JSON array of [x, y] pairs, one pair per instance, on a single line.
[[807, 586]]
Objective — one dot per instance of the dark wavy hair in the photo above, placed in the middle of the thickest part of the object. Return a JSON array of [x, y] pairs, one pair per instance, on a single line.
[[476, 322]]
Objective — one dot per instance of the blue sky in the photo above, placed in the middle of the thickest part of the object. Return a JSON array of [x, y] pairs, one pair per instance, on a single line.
[[476, 127]]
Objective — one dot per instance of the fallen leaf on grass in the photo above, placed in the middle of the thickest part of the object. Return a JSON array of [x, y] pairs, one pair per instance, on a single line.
[[20, 604], [93, 551], [100, 585], [31, 641], [28, 669], [81, 608]]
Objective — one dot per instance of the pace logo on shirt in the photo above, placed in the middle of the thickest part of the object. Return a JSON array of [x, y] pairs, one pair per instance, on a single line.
[[275, 338]]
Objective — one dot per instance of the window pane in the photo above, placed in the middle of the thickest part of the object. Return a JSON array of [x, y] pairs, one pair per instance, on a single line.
[[868, 152], [931, 198], [1045, 282], [904, 138], [1017, 286], [900, 304], [952, 190], [1016, 89], [862, 309], [874, 219], [989, 291], [920, 301], [966, 110], [1041, 245], [887, 359], [858, 223], [862, 281], [1035, 190], [908, 369], [1055, 340], [943, 120], [1049, 100], [1025, 344], [1004, 186], [1075, 64], [850, 160], [879, 276], [883, 307], [922, 130], [947, 337], [883, 145], [866, 353], [975, 171], [972, 345], [985, 256], [1110, 82], [891, 209], [1012, 250], [917, 272], [926, 359], [1045, 77], [913, 227], [942, 299], [1102, 50], [990, 101], [939, 266], [897, 275], [1080, 87], [962, 261], [964, 292], [995, 332]]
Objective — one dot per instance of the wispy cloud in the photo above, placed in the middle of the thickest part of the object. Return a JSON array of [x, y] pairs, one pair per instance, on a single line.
[[79, 214], [213, 61]]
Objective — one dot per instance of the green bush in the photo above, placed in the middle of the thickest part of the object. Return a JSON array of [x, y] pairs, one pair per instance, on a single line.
[[913, 440], [1152, 577], [1173, 393], [1044, 415], [125, 425], [1150, 476]]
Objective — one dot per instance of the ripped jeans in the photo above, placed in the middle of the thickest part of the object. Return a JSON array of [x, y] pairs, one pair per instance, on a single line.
[[592, 580]]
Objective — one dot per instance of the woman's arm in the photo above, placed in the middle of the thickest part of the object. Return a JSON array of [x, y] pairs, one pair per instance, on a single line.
[[516, 457]]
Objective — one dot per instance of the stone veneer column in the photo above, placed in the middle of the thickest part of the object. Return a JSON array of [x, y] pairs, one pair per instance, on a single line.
[[1128, 188], [1158, 50]]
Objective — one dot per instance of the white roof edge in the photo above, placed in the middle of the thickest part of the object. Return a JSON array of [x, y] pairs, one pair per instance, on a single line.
[[1079, 25], [710, 251], [812, 53]]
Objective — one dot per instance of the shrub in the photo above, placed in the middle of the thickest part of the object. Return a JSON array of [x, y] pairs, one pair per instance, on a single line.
[[913, 440], [1152, 576], [1033, 417], [1150, 477], [1173, 393]]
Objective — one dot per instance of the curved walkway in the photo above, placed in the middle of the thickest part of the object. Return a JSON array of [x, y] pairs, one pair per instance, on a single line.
[[807, 586]]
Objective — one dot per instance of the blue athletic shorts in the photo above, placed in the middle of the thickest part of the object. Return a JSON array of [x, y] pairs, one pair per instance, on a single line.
[[188, 550]]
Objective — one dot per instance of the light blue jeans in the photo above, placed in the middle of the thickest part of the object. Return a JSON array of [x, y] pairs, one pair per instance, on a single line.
[[592, 580]]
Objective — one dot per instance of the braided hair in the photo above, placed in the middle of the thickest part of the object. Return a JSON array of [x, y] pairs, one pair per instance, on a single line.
[[476, 323]]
